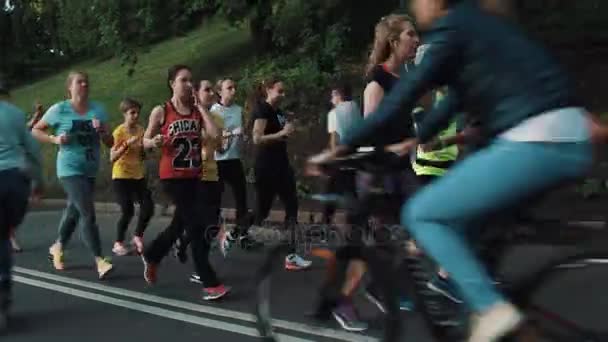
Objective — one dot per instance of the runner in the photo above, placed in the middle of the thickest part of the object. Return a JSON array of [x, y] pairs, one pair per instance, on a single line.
[[128, 176], [19, 153], [540, 138], [210, 186], [344, 114], [395, 44], [78, 124], [229, 163], [273, 174], [176, 128]]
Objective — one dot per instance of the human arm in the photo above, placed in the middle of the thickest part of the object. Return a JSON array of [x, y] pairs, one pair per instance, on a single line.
[[152, 138]]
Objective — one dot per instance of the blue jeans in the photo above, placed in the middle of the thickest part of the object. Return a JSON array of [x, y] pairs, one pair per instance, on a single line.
[[80, 211], [496, 177], [14, 193]]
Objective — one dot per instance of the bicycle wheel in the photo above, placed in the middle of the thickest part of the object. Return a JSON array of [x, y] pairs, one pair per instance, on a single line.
[[566, 301]]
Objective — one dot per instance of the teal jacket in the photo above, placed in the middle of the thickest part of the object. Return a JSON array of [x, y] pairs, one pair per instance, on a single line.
[[18, 149], [494, 72]]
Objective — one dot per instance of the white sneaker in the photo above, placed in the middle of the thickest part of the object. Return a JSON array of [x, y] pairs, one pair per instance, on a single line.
[[495, 323], [120, 249], [294, 262]]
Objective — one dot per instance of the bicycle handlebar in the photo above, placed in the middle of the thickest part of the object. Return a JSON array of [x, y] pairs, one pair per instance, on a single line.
[[370, 159]]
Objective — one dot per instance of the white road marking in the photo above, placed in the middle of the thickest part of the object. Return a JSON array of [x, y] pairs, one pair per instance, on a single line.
[[153, 310], [231, 314]]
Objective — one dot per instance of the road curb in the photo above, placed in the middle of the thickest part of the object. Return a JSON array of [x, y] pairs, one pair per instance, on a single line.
[[275, 216]]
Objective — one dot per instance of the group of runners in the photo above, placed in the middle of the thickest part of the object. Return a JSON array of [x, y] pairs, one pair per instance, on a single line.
[[459, 84]]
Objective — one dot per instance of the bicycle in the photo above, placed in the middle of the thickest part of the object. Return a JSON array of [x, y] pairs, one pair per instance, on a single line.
[[444, 320]]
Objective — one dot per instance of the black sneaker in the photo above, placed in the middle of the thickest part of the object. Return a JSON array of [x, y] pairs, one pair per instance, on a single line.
[[180, 252], [195, 278], [249, 244]]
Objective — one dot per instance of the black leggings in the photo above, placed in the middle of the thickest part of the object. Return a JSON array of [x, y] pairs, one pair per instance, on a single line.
[[209, 204], [231, 172], [269, 183], [188, 216], [14, 193], [129, 191]]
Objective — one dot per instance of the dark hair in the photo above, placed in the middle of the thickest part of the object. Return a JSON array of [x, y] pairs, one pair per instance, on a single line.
[[258, 95], [172, 73], [129, 103], [197, 85], [345, 90]]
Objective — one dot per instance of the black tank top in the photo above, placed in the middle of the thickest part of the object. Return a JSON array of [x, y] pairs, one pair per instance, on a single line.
[[400, 128]]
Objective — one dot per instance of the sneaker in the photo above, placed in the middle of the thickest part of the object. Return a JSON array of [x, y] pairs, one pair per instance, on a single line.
[[375, 299], [495, 323], [195, 278], [15, 245], [56, 256], [213, 293], [346, 316], [149, 271], [119, 249], [104, 267], [405, 304], [294, 262], [138, 243], [247, 243], [225, 241], [444, 287]]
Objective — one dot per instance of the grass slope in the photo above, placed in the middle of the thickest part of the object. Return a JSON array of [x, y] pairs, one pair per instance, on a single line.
[[211, 50]]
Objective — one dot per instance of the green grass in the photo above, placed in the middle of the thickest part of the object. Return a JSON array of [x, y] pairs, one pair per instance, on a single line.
[[212, 50]]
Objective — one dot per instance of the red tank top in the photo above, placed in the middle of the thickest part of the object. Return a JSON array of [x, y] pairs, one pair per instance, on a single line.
[[181, 151]]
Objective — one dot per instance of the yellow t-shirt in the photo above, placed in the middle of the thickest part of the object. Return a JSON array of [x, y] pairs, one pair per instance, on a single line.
[[209, 171], [131, 164]]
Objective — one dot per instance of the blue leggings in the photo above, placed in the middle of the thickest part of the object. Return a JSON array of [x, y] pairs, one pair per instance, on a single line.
[[496, 177]]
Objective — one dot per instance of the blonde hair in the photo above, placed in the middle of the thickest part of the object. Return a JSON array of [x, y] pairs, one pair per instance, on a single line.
[[71, 76], [387, 30]]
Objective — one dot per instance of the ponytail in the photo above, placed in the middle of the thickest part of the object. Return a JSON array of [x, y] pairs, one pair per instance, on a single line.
[[387, 30]]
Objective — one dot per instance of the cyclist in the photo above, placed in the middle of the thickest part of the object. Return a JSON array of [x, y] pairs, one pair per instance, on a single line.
[[541, 138]]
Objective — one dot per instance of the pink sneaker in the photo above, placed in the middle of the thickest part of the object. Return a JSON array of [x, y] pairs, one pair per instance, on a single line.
[[138, 242], [213, 293]]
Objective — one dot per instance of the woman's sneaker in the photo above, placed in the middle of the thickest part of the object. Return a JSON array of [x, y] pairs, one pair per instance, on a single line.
[[213, 293], [495, 323], [56, 256], [138, 243], [119, 249], [294, 262], [195, 278], [104, 267], [346, 316]]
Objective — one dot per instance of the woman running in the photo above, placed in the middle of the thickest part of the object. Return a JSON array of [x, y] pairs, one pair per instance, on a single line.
[[229, 162], [78, 125], [128, 176], [19, 155], [176, 128], [395, 44], [210, 186], [541, 138], [273, 174]]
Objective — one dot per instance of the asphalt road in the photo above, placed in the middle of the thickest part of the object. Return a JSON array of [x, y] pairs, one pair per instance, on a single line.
[[73, 304]]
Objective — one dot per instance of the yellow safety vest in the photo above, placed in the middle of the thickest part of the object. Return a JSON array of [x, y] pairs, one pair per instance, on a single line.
[[436, 163]]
